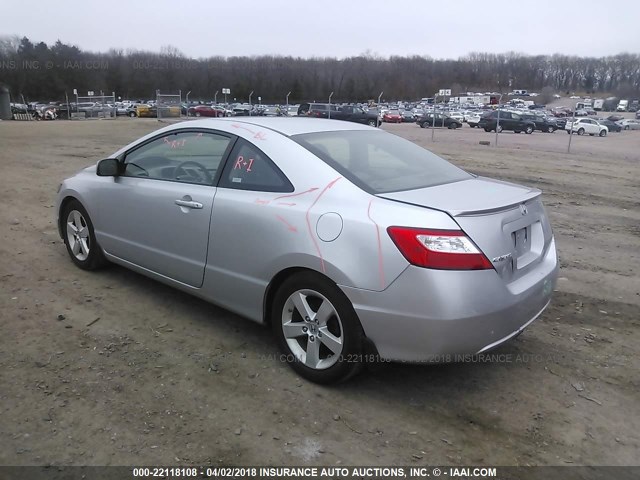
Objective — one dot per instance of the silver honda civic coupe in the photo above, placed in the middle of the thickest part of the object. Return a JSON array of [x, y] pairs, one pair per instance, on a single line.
[[353, 244]]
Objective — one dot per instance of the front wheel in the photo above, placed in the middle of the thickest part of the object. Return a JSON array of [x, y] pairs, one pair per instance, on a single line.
[[372, 123], [581, 131], [499, 128], [487, 130], [132, 114], [550, 129], [422, 125], [603, 133], [317, 328], [79, 237], [626, 127], [529, 130]]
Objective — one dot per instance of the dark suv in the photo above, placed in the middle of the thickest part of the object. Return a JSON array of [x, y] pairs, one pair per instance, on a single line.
[[543, 123], [441, 120], [508, 121], [349, 113]]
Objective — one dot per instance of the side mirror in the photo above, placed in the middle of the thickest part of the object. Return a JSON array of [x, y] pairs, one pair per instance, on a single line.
[[109, 167]]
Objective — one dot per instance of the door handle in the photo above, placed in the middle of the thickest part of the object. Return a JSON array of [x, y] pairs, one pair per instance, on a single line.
[[189, 204]]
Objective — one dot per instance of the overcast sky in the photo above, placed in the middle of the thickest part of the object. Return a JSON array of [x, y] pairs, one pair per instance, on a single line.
[[336, 28]]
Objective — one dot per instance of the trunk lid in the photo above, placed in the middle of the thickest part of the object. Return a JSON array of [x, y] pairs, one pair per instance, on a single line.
[[506, 221]]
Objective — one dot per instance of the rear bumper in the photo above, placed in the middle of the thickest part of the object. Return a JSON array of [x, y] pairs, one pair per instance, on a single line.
[[430, 315]]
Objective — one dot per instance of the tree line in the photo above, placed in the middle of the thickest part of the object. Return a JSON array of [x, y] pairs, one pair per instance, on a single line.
[[42, 72]]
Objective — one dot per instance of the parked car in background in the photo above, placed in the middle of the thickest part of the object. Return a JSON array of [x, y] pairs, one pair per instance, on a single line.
[[474, 119], [407, 116], [349, 113], [587, 126], [449, 264], [507, 121], [392, 116], [206, 111], [629, 124], [126, 110], [439, 120], [611, 126], [457, 116], [542, 123]]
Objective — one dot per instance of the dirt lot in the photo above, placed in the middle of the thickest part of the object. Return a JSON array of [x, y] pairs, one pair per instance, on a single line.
[[111, 368]]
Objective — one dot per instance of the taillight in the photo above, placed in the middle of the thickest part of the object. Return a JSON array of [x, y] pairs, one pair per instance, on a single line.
[[439, 249]]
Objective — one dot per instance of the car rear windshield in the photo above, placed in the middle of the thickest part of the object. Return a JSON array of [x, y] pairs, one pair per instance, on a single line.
[[379, 162]]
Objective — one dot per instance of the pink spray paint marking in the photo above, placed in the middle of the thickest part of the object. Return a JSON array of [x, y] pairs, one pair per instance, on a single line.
[[259, 136], [296, 194], [313, 238], [175, 143], [235, 125], [262, 202], [286, 204], [290, 227], [380, 262]]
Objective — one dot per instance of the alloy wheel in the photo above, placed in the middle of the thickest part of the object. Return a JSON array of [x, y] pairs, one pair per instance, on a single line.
[[312, 329], [78, 235]]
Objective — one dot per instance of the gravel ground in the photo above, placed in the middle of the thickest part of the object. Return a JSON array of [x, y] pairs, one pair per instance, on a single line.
[[111, 368]]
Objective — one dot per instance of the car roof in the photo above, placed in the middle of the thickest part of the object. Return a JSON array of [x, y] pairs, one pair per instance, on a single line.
[[282, 125]]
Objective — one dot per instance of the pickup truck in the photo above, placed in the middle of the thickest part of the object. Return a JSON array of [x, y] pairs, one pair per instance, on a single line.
[[349, 113]]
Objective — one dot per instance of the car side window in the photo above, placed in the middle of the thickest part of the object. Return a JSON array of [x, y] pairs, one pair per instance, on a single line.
[[248, 168], [189, 157]]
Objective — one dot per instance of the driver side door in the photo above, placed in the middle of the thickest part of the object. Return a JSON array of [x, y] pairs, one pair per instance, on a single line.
[[156, 214]]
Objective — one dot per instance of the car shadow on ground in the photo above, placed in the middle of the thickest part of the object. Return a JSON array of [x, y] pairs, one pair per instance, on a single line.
[[236, 334]]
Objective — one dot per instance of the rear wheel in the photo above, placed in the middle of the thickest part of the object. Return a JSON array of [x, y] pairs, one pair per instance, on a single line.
[[487, 130], [132, 114], [499, 128], [317, 328], [626, 127], [422, 125], [550, 129], [198, 114]]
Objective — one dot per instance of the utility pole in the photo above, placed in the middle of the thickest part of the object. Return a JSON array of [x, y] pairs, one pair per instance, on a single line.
[[330, 95]]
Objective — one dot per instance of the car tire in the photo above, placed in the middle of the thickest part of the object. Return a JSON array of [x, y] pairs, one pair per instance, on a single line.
[[198, 114], [626, 127], [529, 130], [454, 125], [581, 131], [322, 350], [603, 133], [132, 114], [516, 131], [499, 128], [550, 129], [487, 130], [422, 125], [372, 123], [79, 237]]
